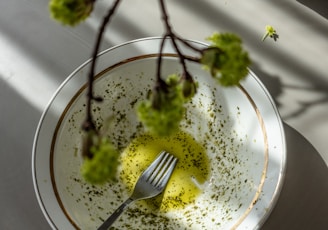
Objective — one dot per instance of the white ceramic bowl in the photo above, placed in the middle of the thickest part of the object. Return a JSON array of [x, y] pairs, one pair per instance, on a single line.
[[247, 168]]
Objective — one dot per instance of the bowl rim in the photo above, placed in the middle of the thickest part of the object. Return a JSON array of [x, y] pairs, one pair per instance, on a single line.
[[283, 159]]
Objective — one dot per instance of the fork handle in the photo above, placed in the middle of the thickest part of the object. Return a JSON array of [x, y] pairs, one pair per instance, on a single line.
[[115, 215]]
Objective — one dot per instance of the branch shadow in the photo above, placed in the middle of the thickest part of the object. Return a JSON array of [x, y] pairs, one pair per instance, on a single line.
[[305, 106], [277, 88], [221, 19], [271, 82]]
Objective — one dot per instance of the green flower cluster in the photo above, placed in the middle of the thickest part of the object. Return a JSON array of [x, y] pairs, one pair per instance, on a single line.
[[101, 161], [162, 112], [225, 59], [70, 12]]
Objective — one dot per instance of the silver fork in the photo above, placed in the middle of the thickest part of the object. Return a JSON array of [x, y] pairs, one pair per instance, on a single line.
[[151, 183]]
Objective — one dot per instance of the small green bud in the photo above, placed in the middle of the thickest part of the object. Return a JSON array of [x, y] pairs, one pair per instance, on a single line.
[[189, 87], [211, 59]]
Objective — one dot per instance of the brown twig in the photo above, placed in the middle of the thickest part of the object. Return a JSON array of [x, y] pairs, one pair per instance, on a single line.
[[160, 83], [169, 33], [89, 124]]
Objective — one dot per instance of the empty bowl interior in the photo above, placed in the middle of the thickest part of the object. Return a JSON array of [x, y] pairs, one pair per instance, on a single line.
[[222, 120]]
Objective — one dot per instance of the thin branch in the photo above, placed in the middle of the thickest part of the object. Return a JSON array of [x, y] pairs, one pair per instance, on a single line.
[[159, 61], [89, 124], [170, 33], [189, 45]]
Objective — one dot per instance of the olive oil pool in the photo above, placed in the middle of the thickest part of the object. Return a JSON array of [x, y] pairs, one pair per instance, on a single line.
[[191, 171]]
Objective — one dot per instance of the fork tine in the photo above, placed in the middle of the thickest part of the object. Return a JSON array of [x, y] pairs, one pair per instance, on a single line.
[[159, 166], [161, 180], [162, 169], [153, 166]]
